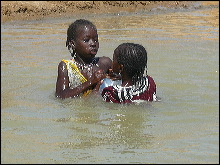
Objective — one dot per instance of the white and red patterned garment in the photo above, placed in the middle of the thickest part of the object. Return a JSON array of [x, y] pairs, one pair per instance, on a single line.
[[144, 91]]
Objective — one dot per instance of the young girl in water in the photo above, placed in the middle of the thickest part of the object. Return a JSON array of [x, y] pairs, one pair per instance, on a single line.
[[130, 61], [80, 75]]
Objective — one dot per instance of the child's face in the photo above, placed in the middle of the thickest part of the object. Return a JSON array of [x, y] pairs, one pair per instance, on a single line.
[[86, 43], [115, 64]]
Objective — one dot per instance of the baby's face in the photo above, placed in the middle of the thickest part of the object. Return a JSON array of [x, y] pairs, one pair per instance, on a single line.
[[115, 64]]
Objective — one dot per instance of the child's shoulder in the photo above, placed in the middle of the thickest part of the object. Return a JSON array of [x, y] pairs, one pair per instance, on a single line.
[[62, 62], [150, 80], [149, 77]]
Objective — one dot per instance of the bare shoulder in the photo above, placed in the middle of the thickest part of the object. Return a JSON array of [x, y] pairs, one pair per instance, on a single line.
[[105, 63], [62, 63], [62, 68]]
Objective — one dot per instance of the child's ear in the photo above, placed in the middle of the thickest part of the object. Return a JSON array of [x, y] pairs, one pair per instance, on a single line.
[[72, 43], [121, 67]]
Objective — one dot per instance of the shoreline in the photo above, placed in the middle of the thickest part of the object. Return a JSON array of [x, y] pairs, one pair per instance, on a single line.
[[35, 10]]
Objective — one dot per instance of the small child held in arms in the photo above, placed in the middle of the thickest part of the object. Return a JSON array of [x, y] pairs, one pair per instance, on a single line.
[[80, 75], [130, 61]]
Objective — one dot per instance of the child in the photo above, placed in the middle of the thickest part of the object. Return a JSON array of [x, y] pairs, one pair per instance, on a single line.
[[81, 74], [130, 61]]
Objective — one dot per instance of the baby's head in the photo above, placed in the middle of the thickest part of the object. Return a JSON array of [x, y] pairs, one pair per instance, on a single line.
[[132, 58]]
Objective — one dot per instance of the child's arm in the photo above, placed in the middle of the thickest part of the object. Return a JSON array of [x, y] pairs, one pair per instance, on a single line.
[[62, 85]]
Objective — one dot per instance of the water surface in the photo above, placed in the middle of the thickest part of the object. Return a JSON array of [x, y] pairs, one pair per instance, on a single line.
[[183, 59]]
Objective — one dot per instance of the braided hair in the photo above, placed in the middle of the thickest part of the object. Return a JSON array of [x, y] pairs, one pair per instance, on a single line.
[[133, 57], [73, 29]]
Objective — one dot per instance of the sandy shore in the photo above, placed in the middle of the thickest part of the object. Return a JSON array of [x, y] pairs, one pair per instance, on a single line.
[[32, 10]]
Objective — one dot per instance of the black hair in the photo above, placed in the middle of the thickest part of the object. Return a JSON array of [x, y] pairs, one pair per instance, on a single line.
[[133, 57], [74, 27]]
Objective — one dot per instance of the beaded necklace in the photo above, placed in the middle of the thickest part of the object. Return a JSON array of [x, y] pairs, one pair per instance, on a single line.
[[86, 66]]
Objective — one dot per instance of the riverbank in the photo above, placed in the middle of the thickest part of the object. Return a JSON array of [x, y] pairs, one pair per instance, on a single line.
[[34, 10]]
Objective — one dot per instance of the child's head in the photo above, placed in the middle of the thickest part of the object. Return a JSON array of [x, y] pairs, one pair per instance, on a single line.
[[82, 38], [132, 59]]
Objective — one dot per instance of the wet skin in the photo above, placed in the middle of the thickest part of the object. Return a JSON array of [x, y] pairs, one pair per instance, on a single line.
[[86, 46], [119, 68]]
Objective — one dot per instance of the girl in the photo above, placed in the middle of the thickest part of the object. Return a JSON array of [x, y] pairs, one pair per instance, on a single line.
[[130, 61], [81, 74]]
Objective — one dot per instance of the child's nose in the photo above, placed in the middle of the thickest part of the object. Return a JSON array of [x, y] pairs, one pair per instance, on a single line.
[[92, 43]]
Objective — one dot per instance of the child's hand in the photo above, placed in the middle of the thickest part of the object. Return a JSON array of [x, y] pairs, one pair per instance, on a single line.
[[113, 76], [99, 75], [97, 78]]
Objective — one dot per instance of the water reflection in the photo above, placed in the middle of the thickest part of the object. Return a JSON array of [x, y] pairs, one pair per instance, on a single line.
[[120, 126], [177, 25]]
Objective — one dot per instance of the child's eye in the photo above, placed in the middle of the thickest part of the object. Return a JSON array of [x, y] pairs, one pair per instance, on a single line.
[[96, 40], [86, 40]]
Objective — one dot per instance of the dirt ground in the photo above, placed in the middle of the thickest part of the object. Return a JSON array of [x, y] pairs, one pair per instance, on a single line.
[[32, 10]]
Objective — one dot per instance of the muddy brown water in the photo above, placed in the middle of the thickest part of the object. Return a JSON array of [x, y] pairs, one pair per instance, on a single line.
[[183, 59]]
